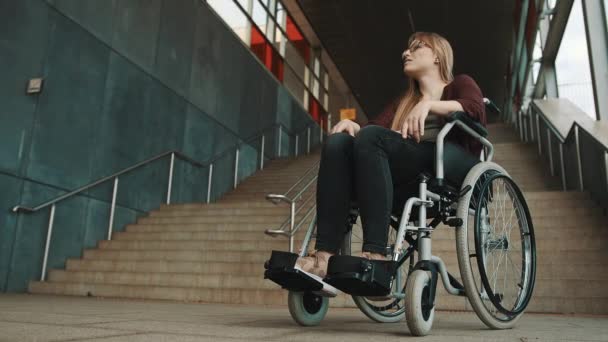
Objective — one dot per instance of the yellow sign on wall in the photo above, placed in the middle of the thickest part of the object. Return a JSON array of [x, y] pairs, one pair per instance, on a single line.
[[348, 113]]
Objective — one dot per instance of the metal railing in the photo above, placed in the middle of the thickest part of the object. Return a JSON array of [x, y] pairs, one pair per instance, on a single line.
[[558, 136], [173, 155], [298, 197]]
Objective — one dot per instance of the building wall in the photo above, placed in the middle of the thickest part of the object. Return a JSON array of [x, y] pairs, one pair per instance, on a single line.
[[124, 80]]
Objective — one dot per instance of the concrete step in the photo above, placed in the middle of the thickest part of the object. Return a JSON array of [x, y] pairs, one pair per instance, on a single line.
[[591, 216], [202, 227], [541, 209], [568, 288], [546, 269], [573, 257], [220, 246]]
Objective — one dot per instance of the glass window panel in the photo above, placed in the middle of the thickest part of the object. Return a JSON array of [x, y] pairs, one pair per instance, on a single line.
[[538, 51], [272, 7], [307, 77], [535, 71], [281, 16], [326, 101], [606, 11], [315, 87], [572, 63], [244, 3], [551, 3], [270, 28], [233, 16], [297, 38], [326, 81], [294, 85], [280, 41], [259, 15], [294, 59], [306, 99], [317, 67]]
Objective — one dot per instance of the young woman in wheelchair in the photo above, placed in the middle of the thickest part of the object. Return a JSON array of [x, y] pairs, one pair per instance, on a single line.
[[377, 166], [384, 170]]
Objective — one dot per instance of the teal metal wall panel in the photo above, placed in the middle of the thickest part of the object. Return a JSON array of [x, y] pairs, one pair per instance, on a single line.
[[204, 76], [162, 120], [9, 196], [223, 176], [203, 137], [96, 16], [69, 229], [136, 24], [69, 108], [126, 95], [23, 40], [248, 160], [175, 42], [189, 183]]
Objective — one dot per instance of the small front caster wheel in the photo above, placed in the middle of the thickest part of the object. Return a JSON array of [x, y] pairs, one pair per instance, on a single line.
[[419, 313], [307, 308]]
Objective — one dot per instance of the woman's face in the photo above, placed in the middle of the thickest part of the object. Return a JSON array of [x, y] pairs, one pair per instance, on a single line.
[[418, 59]]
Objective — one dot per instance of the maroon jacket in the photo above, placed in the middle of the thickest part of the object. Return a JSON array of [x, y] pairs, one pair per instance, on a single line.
[[462, 89]]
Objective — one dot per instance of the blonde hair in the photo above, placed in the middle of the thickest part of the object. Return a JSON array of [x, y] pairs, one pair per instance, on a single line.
[[412, 96]]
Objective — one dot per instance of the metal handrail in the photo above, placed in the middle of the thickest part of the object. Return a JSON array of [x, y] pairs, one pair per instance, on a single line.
[[530, 128], [115, 176], [18, 208], [289, 227]]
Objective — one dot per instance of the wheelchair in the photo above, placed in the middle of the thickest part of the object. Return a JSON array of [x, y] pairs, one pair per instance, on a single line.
[[495, 248]]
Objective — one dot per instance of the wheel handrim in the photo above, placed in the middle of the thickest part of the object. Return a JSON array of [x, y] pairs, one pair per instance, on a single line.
[[503, 231]]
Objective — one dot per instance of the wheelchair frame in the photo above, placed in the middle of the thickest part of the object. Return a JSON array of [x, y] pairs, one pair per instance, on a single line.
[[425, 199]]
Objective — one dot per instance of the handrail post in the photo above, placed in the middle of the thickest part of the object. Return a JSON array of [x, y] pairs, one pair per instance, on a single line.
[[292, 222], [578, 158], [170, 178], [279, 139], [606, 166], [209, 180], [49, 232], [112, 209], [296, 154], [320, 134], [262, 153], [550, 152], [562, 166], [236, 168], [538, 138], [308, 141]]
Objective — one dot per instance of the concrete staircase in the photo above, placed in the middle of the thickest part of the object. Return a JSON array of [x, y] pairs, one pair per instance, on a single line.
[[215, 252]]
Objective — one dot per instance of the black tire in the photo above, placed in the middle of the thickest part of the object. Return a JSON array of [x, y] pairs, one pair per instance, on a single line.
[[469, 242], [419, 314], [306, 308]]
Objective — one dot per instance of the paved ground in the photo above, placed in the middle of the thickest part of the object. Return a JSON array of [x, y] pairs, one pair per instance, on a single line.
[[52, 318]]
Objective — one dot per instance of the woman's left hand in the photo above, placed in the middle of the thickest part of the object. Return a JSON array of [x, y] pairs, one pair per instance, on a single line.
[[413, 124]]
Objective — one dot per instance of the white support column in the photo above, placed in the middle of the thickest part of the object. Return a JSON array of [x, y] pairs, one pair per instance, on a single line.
[[597, 40]]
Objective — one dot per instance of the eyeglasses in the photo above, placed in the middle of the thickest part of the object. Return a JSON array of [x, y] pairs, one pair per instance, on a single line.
[[417, 44]]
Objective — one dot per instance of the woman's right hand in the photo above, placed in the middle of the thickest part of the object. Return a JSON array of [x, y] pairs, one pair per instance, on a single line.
[[347, 126]]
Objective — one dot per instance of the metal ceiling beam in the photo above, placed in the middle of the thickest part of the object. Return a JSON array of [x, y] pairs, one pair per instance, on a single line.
[[554, 39]]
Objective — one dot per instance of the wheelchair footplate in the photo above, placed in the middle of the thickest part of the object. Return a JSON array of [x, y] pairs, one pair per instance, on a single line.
[[360, 276], [281, 269]]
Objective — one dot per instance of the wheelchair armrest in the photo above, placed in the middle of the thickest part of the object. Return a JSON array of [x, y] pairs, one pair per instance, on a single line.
[[467, 120]]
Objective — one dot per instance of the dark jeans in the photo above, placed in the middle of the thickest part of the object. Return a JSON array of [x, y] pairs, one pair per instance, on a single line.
[[378, 170]]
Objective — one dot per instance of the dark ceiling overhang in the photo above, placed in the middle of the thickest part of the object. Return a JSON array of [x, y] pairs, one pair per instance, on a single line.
[[365, 39]]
